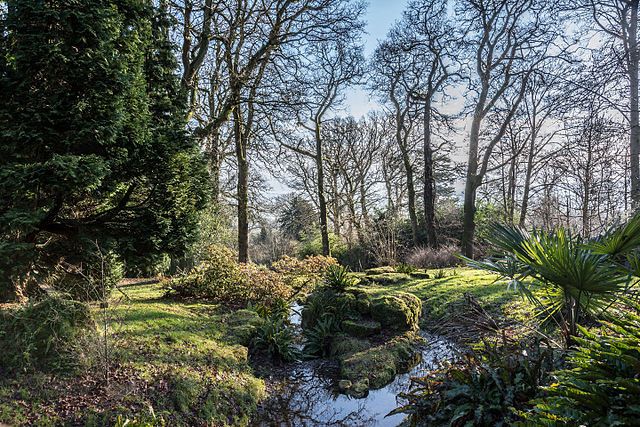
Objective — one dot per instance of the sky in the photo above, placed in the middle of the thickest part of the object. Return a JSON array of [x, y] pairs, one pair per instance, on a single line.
[[381, 15]]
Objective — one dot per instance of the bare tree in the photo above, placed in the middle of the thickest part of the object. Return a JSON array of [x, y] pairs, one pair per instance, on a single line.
[[508, 40], [332, 66]]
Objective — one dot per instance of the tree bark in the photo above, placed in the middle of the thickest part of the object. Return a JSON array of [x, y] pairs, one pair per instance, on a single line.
[[322, 201], [471, 186], [527, 181], [242, 187], [429, 181]]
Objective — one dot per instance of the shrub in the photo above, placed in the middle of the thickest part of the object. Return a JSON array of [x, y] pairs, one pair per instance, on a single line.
[[601, 385], [483, 389], [276, 339], [279, 309], [47, 335], [217, 277], [327, 302], [442, 257], [221, 279], [303, 274]]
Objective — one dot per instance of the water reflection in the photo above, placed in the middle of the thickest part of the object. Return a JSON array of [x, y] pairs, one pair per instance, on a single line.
[[308, 397]]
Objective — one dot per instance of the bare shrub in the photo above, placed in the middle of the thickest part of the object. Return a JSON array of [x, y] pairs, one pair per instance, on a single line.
[[424, 257]]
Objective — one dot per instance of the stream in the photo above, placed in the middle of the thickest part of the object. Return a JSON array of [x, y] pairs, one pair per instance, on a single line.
[[307, 395]]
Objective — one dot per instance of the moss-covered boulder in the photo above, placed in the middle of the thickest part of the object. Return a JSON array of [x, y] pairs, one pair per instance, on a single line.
[[344, 346], [386, 279], [362, 304], [380, 270], [378, 365], [361, 328], [399, 311]]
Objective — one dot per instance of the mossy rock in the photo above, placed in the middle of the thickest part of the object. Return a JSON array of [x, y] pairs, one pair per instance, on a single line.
[[344, 346], [379, 365], [389, 278], [362, 304], [380, 270], [399, 311], [361, 328], [420, 275]]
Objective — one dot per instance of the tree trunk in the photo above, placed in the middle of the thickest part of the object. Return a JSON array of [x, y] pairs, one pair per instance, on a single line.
[[322, 202], [429, 182], [634, 114], [215, 165], [243, 188], [527, 181], [471, 186]]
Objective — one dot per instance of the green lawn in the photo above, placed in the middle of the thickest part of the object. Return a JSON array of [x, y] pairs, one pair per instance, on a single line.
[[186, 361]]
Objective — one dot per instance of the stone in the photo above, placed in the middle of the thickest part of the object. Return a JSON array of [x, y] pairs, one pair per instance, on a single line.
[[380, 270], [361, 328], [344, 385], [380, 364], [399, 311], [386, 279]]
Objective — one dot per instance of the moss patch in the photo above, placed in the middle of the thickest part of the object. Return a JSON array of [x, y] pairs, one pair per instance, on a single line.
[[184, 360], [379, 365], [361, 328], [397, 310], [380, 270], [388, 278]]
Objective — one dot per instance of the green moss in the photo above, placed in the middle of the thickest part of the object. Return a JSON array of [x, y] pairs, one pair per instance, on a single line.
[[361, 328], [345, 345], [398, 310], [388, 278], [362, 304], [189, 355], [242, 325], [380, 270], [379, 365]]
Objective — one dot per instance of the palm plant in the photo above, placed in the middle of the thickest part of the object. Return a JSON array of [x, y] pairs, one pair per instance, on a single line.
[[580, 277]]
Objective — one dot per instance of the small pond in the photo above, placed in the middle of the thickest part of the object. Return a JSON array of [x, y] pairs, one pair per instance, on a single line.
[[307, 395]]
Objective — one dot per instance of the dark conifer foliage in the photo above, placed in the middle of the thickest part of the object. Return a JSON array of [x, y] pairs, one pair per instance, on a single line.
[[92, 152]]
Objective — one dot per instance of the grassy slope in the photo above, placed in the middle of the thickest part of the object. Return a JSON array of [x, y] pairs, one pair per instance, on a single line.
[[185, 360]]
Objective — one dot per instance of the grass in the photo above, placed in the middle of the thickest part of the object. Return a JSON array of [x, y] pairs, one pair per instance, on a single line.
[[444, 293], [186, 361]]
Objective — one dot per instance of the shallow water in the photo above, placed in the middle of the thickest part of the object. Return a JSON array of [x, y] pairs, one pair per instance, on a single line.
[[308, 397]]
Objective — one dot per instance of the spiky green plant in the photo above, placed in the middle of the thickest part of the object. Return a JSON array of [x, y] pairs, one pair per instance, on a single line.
[[318, 340], [338, 278], [276, 338], [580, 277]]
